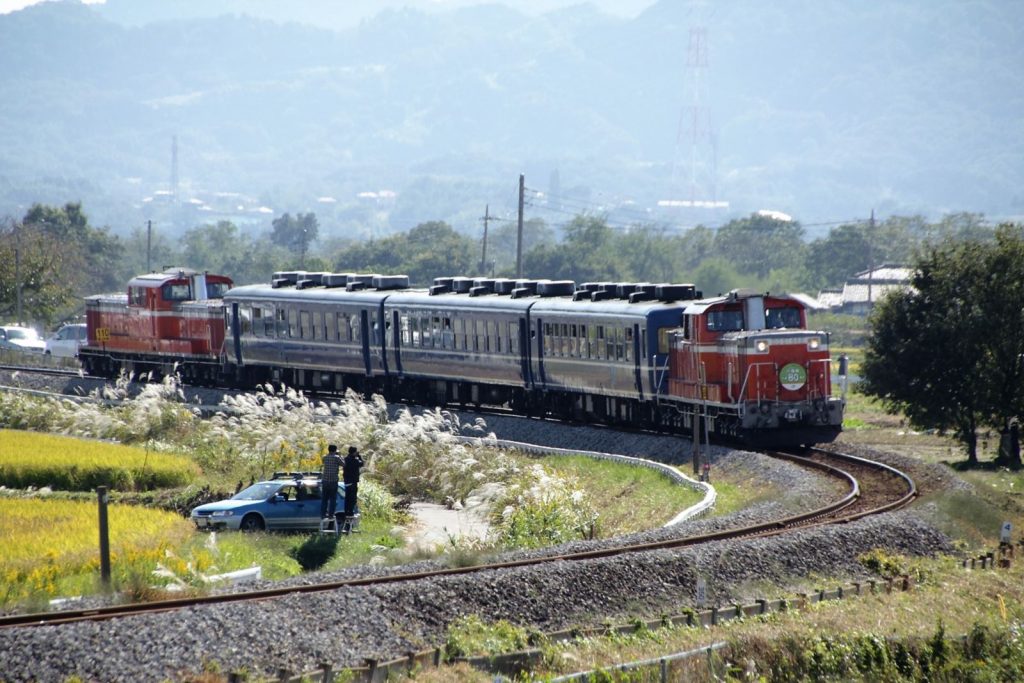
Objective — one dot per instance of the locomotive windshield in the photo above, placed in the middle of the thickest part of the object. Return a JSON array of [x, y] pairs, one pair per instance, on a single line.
[[725, 321], [777, 318], [217, 290]]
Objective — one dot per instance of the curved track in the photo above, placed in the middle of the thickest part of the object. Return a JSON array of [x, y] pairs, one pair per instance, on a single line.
[[872, 488]]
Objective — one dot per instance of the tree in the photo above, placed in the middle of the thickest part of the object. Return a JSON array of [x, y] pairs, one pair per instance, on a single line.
[[501, 245], [833, 259], [587, 253], [92, 257], [295, 234], [1004, 310], [427, 251], [32, 288], [759, 244], [948, 353], [53, 257]]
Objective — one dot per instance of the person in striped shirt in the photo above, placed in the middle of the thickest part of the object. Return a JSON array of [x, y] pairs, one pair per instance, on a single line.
[[329, 482]]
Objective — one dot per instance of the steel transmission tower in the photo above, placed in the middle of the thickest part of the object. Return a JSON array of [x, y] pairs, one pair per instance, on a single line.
[[174, 169], [695, 166]]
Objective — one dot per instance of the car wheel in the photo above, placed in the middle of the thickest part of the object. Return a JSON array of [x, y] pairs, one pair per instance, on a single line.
[[251, 522]]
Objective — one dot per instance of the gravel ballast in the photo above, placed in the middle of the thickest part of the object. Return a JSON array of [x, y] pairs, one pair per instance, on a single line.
[[346, 626]]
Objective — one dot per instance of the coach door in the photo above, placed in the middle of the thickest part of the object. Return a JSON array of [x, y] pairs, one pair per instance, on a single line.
[[637, 371], [396, 340], [364, 325]]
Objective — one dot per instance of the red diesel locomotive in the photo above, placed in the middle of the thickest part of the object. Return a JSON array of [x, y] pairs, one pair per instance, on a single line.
[[167, 322]]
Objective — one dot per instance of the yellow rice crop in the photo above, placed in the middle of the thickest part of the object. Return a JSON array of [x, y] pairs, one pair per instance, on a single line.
[[45, 541], [33, 459]]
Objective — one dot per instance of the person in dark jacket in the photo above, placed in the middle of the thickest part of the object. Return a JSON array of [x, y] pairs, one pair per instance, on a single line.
[[329, 482], [350, 470]]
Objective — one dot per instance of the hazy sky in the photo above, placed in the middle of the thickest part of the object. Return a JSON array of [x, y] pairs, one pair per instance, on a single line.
[[626, 8]]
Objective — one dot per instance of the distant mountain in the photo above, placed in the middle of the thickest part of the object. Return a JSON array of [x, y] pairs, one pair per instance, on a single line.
[[823, 109]]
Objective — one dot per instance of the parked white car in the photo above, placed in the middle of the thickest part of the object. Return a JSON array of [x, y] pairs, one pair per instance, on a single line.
[[64, 343], [17, 338]]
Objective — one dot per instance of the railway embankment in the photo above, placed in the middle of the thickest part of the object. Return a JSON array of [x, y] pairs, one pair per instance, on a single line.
[[348, 625]]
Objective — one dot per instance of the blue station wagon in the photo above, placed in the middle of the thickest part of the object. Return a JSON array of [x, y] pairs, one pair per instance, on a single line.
[[286, 502]]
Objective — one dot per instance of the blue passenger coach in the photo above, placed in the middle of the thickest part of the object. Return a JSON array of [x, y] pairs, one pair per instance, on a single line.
[[451, 347], [325, 334], [603, 357]]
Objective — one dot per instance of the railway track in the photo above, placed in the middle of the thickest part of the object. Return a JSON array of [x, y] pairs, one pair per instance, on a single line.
[[871, 488]]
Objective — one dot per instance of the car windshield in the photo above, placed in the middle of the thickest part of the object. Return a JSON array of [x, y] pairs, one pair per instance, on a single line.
[[260, 491], [18, 333]]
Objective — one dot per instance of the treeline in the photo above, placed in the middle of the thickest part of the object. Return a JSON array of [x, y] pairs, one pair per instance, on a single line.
[[62, 258]]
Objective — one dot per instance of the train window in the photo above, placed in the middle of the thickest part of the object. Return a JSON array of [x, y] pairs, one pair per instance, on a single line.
[[435, 331], [414, 331], [513, 337], [136, 296], [280, 323], [725, 321], [619, 336], [598, 349], [489, 339], [216, 290], [777, 318], [343, 327], [305, 325], [458, 334], [293, 324], [173, 292], [245, 319], [481, 336], [357, 332], [318, 325], [663, 340], [426, 335], [330, 326], [629, 344], [447, 338]]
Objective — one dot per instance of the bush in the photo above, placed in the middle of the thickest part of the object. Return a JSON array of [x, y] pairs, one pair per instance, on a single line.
[[469, 636], [315, 551]]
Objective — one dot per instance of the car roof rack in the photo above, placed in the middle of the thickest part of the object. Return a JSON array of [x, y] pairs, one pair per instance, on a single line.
[[295, 475]]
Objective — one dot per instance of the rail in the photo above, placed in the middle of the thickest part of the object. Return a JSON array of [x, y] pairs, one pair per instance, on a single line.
[[762, 529]]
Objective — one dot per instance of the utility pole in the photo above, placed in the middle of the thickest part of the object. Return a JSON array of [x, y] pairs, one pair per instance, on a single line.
[[519, 231], [149, 245], [17, 276], [483, 253], [871, 256]]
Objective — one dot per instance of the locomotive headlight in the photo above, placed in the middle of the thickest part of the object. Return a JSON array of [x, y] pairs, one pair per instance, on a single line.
[[761, 345], [814, 343]]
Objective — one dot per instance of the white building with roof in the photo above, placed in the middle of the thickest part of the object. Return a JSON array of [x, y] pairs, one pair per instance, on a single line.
[[862, 291]]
